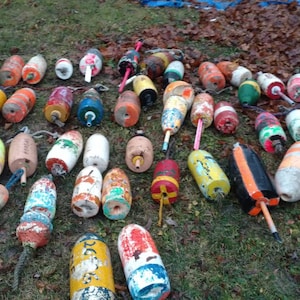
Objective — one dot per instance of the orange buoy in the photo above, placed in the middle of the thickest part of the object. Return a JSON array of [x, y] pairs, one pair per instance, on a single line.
[[128, 108], [233, 72], [11, 71], [18, 105], [211, 77], [35, 69]]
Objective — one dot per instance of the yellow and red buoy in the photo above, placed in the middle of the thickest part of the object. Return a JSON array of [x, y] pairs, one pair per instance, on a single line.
[[144, 270], [58, 107], [90, 269], [86, 198], [11, 71], [116, 194], [65, 153], [2, 156], [18, 105]]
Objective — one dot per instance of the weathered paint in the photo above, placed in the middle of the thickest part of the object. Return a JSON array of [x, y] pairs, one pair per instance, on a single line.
[[182, 89], [58, 107], [165, 183], [270, 132], [39, 211], [210, 178], [11, 71], [86, 198], [288, 173], [90, 268], [42, 197], [293, 87], [23, 154], [292, 121], [19, 105], [139, 154], [96, 152], [35, 69], [249, 92], [144, 270], [2, 156], [90, 109], [65, 153], [144, 87], [252, 183], [128, 108], [116, 194], [202, 108], [211, 77], [226, 119], [270, 85], [63, 68]]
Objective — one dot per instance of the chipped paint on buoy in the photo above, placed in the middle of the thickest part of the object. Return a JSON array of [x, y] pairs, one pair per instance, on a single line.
[[90, 269], [116, 194], [144, 270], [65, 153], [86, 198]]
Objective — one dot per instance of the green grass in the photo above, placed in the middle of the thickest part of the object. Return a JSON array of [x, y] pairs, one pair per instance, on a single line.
[[210, 250]]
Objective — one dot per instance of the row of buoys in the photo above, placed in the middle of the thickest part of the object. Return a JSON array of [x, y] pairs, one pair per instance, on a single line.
[[14, 68]]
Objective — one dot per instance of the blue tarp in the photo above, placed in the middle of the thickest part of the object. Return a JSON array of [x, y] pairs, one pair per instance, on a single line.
[[219, 5]]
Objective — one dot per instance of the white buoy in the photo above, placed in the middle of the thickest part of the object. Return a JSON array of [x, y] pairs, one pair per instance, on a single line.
[[96, 152]]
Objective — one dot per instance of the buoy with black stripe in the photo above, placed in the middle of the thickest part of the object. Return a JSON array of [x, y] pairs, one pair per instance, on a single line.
[[253, 186]]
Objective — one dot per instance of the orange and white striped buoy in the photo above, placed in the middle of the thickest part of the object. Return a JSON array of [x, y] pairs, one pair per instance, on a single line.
[[19, 105], [11, 71], [35, 69], [86, 198]]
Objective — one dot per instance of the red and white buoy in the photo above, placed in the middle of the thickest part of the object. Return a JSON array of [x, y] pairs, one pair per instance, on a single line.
[[86, 198]]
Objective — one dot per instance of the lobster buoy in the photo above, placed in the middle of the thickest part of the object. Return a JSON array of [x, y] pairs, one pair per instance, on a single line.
[[11, 71], [226, 119], [65, 153], [35, 225], [116, 194], [144, 270], [58, 107], [18, 105], [96, 152], [90, 269], [86, 198], [23, 154], [35, 69], [139, 154], [63, 68]]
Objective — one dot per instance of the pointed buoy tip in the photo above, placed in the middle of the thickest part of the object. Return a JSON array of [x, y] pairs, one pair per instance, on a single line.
[[277, 237]]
